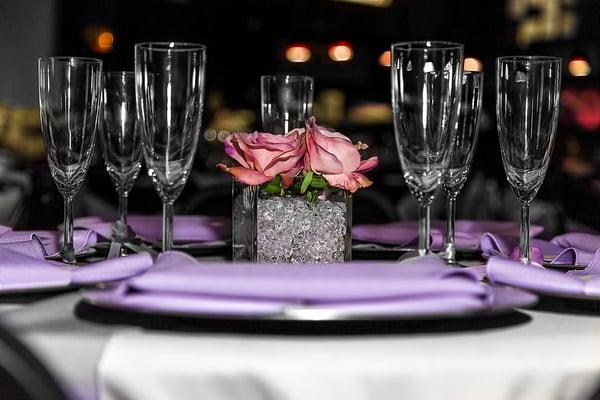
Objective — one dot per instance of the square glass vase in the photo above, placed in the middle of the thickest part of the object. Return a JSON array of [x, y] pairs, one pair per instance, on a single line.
[[269, 228]]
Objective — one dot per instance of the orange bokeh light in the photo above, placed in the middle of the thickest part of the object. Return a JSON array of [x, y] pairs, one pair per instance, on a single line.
[[385, 58], [472, 64], [341, 51], [579, 66], [298, 53]]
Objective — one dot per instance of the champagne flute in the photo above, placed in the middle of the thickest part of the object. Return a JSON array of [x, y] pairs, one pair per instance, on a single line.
[[527, 105], [463, 149], [286, 102], [70, 97], [426, 81], [169, 90], [121, 144]]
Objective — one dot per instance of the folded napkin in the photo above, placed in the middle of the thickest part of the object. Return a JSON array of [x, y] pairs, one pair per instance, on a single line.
[[570, 248], [179, 283], [51, 241], [468, 233], [583, 284], [24, 267], [186, 228]]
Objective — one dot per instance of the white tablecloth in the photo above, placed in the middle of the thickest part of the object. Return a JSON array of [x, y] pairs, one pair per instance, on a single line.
[[552, 356]]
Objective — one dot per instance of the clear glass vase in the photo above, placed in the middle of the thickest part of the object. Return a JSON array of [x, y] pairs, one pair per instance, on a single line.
[[291, 229]]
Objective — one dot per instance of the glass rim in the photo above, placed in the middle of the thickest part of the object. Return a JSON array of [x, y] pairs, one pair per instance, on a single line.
[[170, 46], [425, 45], [71, 59], [292, 77], [530, 59]]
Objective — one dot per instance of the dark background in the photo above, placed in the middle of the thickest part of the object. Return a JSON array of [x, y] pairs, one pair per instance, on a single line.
[[247, 39]]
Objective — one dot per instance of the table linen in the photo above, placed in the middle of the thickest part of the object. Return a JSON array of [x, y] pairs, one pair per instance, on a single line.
[[186, 228], [468, 232]]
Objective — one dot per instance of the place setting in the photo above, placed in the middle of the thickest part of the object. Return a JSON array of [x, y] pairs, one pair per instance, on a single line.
[[291, 227], [291, 233]]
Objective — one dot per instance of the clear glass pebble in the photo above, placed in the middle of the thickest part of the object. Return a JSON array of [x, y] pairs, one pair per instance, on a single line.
[[276, 229]]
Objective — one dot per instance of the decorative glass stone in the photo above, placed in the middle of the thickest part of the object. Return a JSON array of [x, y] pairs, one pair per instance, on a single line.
[[292, 229]]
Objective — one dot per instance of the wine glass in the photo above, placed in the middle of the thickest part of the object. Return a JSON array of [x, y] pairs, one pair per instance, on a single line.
[[426, 81], [463, 149], [527, 103], [121, 142], [286, 102], [70, 95], [169, 88]]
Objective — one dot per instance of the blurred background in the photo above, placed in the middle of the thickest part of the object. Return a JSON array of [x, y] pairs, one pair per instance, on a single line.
[[344, 45]]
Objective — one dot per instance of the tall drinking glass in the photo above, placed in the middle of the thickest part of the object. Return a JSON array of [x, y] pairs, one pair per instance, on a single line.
[[463, 149], [121, 140], [426, 82], [70, 96], [169, 90], [286, 102], [527, 104]]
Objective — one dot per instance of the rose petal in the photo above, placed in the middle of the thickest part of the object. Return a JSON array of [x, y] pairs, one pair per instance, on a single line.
[[320, 160], [368, 164], [233, 150], [246, 175], [348, 181], [333, 143]]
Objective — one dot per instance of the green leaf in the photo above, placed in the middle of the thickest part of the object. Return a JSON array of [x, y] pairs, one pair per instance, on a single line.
[[306, 181], [273, 186], [318, 182]]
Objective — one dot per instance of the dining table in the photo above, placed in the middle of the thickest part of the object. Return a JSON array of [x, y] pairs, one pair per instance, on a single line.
[[550, 351]]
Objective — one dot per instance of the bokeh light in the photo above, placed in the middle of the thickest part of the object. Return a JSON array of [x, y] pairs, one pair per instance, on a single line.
[[298, 53], [473, 64], [341, 51], [385, 58], [579, 66]]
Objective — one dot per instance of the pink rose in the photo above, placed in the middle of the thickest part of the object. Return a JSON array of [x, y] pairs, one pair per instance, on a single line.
[[262, 156], [335, 157]]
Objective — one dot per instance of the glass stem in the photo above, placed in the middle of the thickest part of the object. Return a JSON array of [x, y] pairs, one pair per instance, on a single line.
[[424, 247], [123, 207], [524, 240], [68, 252], [167, 226], [450, 240]]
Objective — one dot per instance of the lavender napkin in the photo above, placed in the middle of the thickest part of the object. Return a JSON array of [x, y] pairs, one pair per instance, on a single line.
[[51, 241], [584, 284], [179, 283], [570, 248], [468, 233], [24, 267], [186, 228]]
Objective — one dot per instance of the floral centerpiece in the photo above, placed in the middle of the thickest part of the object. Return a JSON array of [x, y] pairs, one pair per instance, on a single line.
[[292, 194]]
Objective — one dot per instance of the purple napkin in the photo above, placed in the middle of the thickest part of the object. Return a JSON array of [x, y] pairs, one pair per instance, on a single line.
[[186, 228], [23, 267], [179, 283], [501, 245], [570, 248], [51, 241], [585, 284], [468, 233]]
